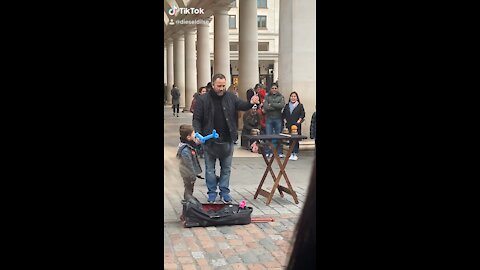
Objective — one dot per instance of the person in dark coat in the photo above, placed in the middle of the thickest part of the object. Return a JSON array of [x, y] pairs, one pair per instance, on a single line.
[[294, 114], [313, 129], [251, 120], [202, 90], [175, 92], [251, 92], [217, 110]]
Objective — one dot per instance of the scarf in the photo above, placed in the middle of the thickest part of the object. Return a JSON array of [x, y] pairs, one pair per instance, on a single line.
[[292, 106]]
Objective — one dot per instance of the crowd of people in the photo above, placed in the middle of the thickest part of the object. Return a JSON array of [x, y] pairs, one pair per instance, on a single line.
[[270, 116]]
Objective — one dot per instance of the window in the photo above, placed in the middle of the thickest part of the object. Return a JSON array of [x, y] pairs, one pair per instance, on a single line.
[[261, 3], [233, 4], [262, 22], [263, 46], [232, 21], [234, 46]]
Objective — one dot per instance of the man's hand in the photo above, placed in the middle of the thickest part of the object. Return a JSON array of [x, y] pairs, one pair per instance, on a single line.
[[255, 100]]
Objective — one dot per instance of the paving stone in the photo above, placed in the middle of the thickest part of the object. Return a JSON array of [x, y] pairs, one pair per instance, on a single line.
[[185, 260], [198, 255], [219, 262], [202, 262], [249, 258], [215, 233], [215, 255], [231, 236], [228, 252], [187, 234], [170, 266], [238, 266], [234, 259], [266, 257], [183, 253], [256, 266], [179, 247], [225, 230], [189, 267], [223, 245], [276, 237]]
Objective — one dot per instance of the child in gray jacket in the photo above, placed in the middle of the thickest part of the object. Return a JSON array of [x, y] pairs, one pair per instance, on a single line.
[[187, 153]]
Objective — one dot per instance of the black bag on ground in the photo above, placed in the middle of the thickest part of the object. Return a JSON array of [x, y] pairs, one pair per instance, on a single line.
[[197, 214]]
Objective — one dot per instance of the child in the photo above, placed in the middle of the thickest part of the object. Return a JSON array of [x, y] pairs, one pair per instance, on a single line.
[[187, 153]]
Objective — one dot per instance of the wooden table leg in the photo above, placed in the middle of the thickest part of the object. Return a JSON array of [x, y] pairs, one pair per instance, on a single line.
[[277, 179], [282, 172], [269, 167]]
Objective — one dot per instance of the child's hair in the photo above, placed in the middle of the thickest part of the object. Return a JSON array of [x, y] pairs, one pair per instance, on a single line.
[[185, 130]]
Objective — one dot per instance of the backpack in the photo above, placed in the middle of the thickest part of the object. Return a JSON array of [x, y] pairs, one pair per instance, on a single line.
[[196, 214]]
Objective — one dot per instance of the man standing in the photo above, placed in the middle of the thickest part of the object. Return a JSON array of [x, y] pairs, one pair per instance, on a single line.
[[273, 105], [217, 110], [175, 99]]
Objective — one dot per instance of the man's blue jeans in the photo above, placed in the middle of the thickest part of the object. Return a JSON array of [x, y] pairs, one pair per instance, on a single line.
[[274, 126], [211, 157]]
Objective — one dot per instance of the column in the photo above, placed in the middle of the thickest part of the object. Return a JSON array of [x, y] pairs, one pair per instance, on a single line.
[[221, 45], [179, 65], [164, 71], [203, 55], [275, 70], [190, 67], [297, 54], [248, 54], [169, 69]]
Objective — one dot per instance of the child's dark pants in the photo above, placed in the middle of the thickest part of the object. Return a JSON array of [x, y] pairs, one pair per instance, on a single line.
[[188, 184]]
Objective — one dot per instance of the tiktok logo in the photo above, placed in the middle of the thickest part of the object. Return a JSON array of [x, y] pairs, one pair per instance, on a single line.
[[172, 11]]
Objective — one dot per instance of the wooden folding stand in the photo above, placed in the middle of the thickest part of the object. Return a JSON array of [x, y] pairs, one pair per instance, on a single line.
[[293, 139]]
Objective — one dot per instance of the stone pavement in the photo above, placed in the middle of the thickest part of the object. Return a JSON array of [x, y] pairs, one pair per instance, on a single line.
[[253, 246]]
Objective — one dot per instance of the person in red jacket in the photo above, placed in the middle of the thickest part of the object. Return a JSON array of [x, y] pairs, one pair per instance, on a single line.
[[261, 94], [261, 115], [202, 90]]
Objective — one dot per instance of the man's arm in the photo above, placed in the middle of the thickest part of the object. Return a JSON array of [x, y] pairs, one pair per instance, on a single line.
[[266, 104], [242, 105], [278, 105], [284, 112], [302, 114]]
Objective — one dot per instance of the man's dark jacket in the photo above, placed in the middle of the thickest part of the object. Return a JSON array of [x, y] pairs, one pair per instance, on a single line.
[[203, 116]]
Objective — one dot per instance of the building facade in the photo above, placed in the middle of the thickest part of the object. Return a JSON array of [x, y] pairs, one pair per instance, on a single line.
[[249, 41], [268, 41]]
